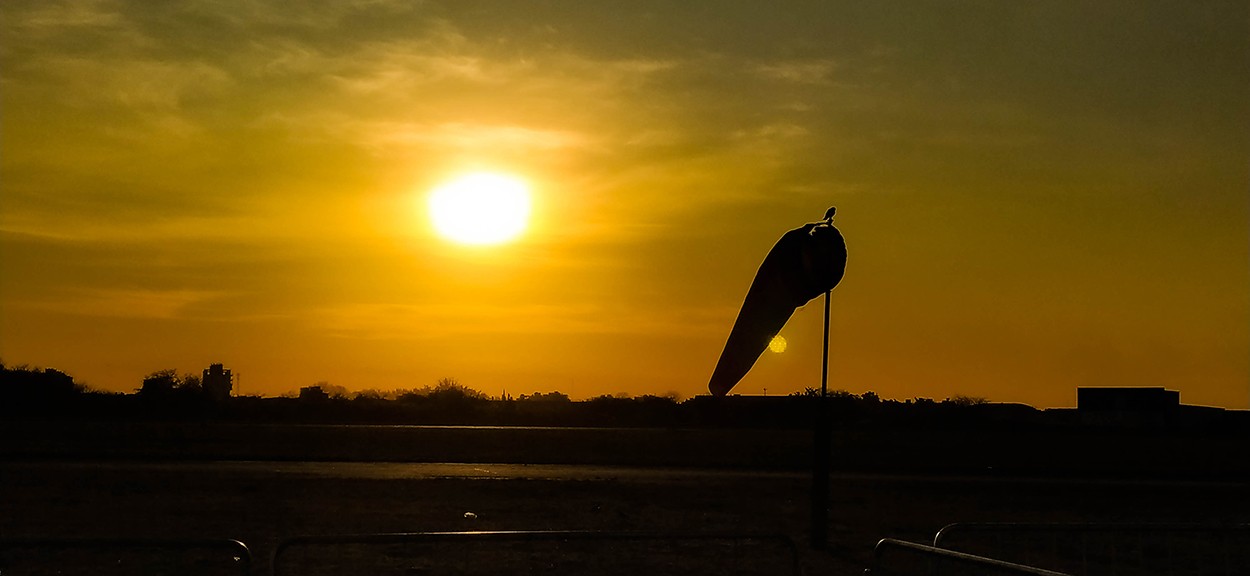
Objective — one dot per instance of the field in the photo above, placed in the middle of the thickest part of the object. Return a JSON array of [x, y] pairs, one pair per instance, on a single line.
[[263, 501]]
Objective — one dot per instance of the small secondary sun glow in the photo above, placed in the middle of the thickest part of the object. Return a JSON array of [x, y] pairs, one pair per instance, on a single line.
[[777, 344], [480, 208]]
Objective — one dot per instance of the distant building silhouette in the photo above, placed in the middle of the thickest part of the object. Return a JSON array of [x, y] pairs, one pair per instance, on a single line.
[[217, 383], [1127, 406]]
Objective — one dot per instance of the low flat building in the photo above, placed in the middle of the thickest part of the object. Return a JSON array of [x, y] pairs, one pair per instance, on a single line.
[[1121, 406]]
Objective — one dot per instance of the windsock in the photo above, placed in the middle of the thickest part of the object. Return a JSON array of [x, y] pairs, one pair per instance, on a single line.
[[805, 263]]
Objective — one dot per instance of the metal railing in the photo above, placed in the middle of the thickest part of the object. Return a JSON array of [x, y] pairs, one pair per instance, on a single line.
[[1096, 549], [536, 552], [901, 558], [107, 556]]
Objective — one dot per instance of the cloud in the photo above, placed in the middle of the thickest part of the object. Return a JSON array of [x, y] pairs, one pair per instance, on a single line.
[[308, 14], [123, 303], [771, 133], [48, 17], [381, 136], [134, 83], [413, 71], [797, 71], [449, 319], [93, 66]]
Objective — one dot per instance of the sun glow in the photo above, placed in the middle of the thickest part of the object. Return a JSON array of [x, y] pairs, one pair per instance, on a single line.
[[777, 344], [480, 208]]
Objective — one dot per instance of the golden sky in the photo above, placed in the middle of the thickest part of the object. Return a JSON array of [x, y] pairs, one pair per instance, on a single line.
[[1036, 195]]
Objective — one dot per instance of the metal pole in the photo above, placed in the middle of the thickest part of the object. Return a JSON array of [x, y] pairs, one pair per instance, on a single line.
[[824, 357], [822, 443]]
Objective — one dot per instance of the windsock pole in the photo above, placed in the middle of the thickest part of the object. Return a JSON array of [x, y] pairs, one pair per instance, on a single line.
[[822, 442]]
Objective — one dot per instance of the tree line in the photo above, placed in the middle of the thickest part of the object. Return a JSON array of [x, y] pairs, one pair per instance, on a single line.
[[169, 395]]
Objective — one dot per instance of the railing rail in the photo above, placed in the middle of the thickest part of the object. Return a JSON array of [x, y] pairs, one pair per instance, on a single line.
[[893, 557]]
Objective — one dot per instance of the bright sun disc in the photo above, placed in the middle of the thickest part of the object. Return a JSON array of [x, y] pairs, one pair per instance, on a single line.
[[480, 209], [777, 344]]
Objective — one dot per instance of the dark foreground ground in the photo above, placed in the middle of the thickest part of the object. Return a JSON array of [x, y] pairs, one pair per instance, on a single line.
[[262, 502]]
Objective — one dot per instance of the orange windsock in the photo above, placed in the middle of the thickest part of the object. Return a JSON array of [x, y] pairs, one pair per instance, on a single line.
[[805, 263]]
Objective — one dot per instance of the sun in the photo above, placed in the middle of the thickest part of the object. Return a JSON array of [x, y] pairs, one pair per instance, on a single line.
[[777, 344], [481, 208]]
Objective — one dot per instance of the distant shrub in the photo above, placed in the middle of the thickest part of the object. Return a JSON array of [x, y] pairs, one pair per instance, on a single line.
[[541, 397], [966, 400]]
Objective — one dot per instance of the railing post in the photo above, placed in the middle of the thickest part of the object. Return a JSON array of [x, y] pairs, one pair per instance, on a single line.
[[822, 447]]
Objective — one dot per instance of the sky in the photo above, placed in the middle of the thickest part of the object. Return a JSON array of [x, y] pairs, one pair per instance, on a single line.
[[1036, 196]]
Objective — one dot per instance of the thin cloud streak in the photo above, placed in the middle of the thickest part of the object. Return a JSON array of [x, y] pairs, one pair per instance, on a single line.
[[398, 321], [134, 303]]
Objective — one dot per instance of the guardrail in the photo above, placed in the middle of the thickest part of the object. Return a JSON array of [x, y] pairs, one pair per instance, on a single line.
[[1090, 549]]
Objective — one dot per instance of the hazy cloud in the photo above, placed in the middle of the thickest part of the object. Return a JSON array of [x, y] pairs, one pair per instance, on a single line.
[[132, 83], [443, 321], [46, 17], [469, 136], [122, 303], [800, 71]]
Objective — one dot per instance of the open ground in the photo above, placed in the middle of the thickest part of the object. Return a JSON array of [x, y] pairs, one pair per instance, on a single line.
[[262, 502]]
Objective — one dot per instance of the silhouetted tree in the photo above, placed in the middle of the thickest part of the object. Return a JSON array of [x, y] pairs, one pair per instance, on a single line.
[[541, 397], [449, 388], [333, 391], [313, 393], [371, 394], [374, 394], [809, 391], [190, 383], [166, 382], [33, 390], [160, 384], [960, 400], [165, 394]]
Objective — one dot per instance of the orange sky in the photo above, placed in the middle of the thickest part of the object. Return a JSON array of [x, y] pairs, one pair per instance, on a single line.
[[1036, 196]]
